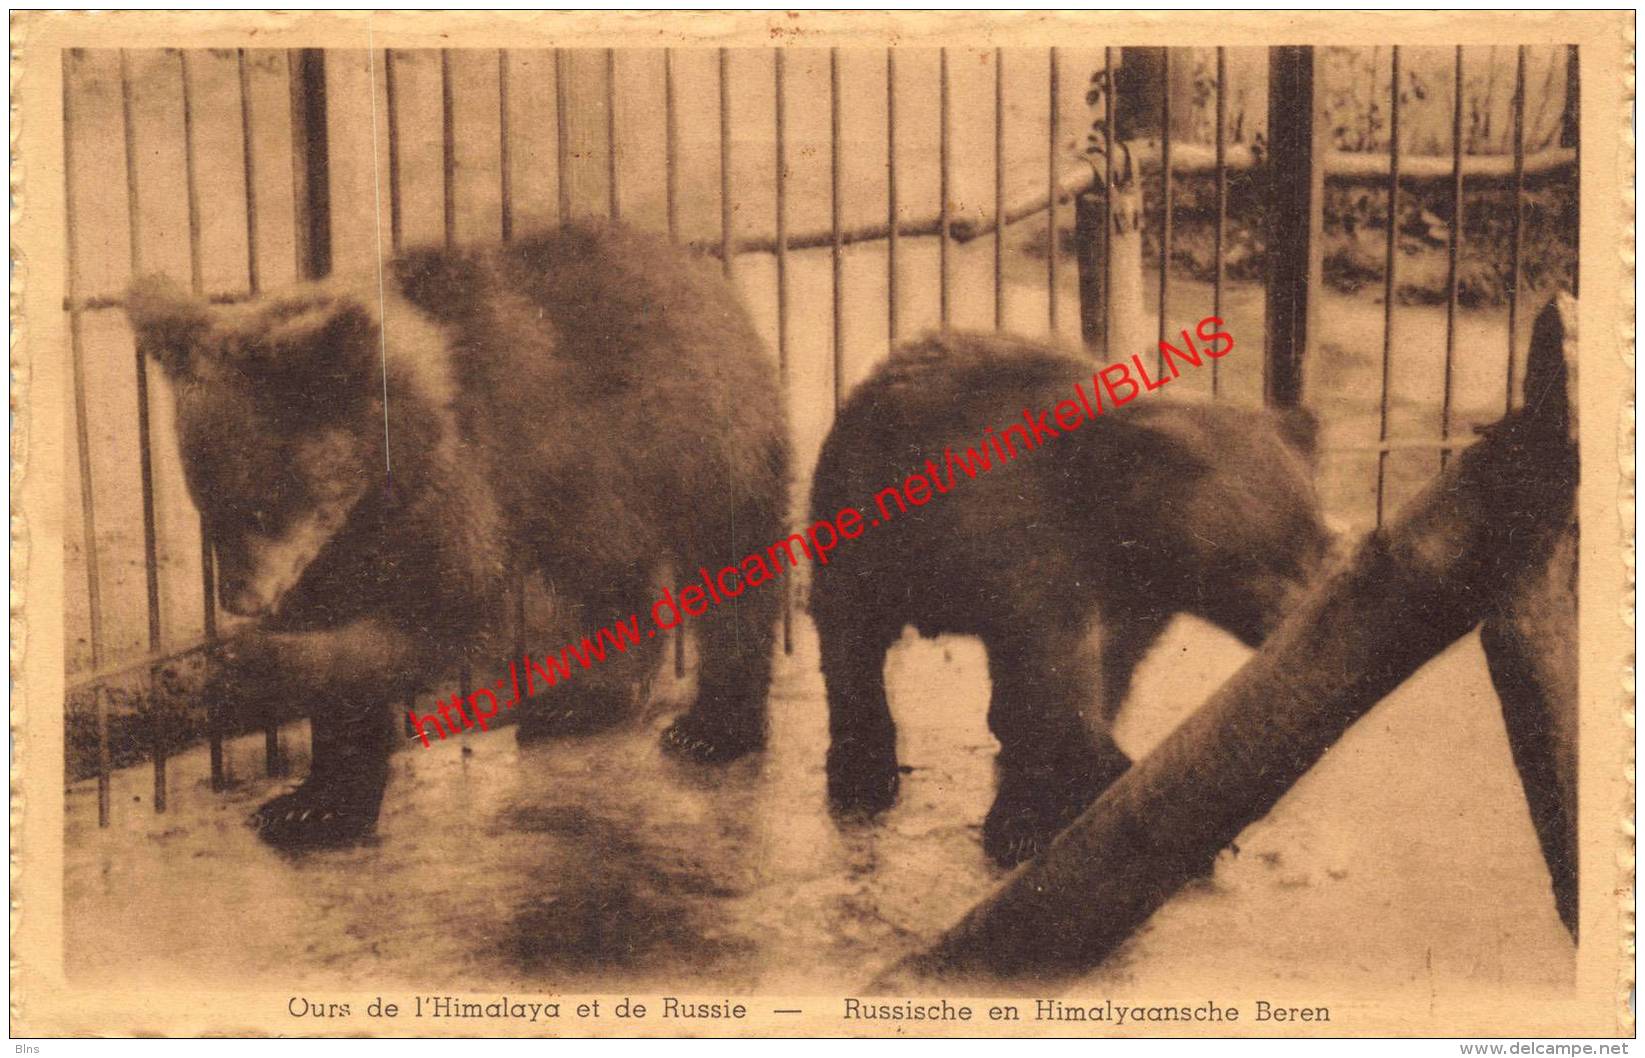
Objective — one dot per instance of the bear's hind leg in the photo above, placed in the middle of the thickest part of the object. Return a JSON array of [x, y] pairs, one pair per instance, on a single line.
[[734, 641], [585, 699], [1127, 636], [1056, 755], [862, 737]]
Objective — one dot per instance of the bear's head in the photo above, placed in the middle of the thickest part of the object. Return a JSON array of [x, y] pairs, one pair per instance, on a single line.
[[276, 402]]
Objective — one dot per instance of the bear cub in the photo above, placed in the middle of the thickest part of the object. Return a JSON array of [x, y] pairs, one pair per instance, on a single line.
[[373, 469], [1068, 561]]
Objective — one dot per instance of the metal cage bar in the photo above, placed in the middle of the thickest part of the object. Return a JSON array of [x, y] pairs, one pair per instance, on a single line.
[[82, 445], [779, 75], [311, 160], [248, 162], [1453, 254], [391, 117], [1517, 229], [944, 160], [1111, 147], [1053, 259], [1165, 206], [145, 447], [1571, 134], [1389, 284], [836, 257], [892, 221], [505, 223], [1221, 229], [505, 153], [562, 142], [448, 151], [614, 204], [396, 238], [999, 188], [671, 148], [727, 257], [1296, 219], [311, 219], [191, 195]]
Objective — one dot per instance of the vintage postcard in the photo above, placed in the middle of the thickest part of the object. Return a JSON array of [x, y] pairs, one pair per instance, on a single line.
[[776, 524]]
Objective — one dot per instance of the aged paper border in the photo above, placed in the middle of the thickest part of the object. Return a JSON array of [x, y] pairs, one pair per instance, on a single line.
[[44, 1003]]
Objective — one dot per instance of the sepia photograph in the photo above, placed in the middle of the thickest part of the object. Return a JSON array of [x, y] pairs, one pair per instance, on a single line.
[[802, 524]]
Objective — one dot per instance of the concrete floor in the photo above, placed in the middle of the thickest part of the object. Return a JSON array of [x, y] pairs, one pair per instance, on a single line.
[[1405, 860]]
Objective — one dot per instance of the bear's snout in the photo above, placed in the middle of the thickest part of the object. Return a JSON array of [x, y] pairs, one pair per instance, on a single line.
[[242, 599]]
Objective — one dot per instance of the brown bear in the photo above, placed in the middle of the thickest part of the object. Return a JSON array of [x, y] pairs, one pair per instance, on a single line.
[[375, 459], [1109, 523]]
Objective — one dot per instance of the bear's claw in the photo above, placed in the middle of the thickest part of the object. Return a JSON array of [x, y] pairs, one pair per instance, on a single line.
[[297, 820], [1010, 840], [708, 742]]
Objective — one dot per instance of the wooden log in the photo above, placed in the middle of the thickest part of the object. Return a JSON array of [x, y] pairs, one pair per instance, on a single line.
[[1450, 559]]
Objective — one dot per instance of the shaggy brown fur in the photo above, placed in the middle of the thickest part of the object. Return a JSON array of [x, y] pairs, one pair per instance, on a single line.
[[1157, 508], [588, 404]]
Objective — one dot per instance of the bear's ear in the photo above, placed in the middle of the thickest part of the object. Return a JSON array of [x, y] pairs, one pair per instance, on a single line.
[[169, 322], [325, 345]]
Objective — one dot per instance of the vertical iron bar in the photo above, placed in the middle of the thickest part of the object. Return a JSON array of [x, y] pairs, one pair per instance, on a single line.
[[448, 149], [891, 218], [1516, 247], [999, 189], [1165, 205], [1087, 235], [311, 161], [249, 162], [145, 449], [82, 445], [726, 242], [1222, 203], [1110, 148], [614, 204], [1053, 256], [944, 220], [672, 176], [1388, 280], [671, 134], [1453, 255], [779, 76], [311, 204], [504, 151], [219, 773], [836, 257], [562, 142], [505, 156], [191, 186], [1296, 219], [191, 194], [391, 106], [726, 255], [299, 169], [1571, 133]]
